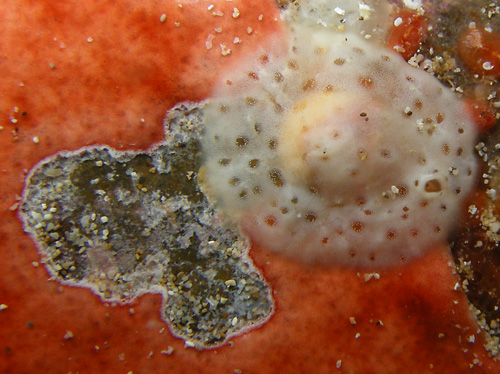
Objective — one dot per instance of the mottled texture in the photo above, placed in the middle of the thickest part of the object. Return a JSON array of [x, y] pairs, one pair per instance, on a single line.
[[88, 103], [128, 223]]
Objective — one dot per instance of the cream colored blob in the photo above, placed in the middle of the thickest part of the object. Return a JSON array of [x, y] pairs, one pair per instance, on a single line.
[[337, 152]]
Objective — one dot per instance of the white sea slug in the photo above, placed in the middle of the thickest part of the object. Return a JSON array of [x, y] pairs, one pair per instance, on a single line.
[[337, 151]]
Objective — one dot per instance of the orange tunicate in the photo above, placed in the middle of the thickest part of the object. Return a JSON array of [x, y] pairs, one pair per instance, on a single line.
[[407, 34], [480, 51], [481, 113]]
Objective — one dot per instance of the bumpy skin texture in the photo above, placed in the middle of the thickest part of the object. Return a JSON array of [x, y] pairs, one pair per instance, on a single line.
[[94, 95]]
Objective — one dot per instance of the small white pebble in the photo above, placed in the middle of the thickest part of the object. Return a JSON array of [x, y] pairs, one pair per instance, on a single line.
[[188, 344], [167, 351], [224, 51], [495, 227], [3, 306], [492, 194], [90, 39], [163, 17], [236, 13], [36, 140], [338, 364], [339, 11], [488, 66], [398, 21], [413, 4]]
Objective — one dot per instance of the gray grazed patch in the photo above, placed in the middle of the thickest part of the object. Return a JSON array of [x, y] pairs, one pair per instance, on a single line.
[[128, 223]]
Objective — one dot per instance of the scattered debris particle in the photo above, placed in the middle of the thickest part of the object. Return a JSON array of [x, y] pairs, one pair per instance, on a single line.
[[69, 335], [225, 51], [370, 276], [3, 306], [208, 42], [163, 17], [339, 11], [167, 351]]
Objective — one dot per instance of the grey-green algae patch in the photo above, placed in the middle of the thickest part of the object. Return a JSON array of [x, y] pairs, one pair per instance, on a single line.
[[128, 223]]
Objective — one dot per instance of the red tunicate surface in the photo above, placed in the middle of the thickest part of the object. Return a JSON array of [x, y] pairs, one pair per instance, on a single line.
[[480, 51], [136, 67], [481, 113], [406, 37]]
